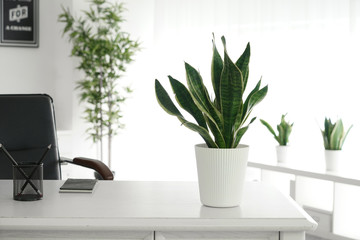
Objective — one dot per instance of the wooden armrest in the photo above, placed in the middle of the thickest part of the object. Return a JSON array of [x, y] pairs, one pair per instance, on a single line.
[[94, 164]]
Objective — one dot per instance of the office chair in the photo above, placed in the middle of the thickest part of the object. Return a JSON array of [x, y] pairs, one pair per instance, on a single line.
[[27, 127]]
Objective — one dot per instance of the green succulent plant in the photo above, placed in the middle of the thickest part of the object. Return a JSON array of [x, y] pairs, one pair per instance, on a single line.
[[334, 134], [284, 130], [220, 121]]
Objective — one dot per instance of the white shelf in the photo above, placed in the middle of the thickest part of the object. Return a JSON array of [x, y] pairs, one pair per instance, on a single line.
[[332, 197], [304, 171]]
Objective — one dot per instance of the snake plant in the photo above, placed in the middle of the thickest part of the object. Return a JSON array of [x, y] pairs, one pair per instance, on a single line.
[[219, 121], [334, 134], [284, 130]]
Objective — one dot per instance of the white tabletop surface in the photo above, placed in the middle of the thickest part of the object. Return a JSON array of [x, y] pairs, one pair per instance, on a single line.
[[151, 206]]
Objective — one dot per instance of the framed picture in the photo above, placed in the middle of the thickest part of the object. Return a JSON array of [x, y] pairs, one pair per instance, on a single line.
[[19, 23]]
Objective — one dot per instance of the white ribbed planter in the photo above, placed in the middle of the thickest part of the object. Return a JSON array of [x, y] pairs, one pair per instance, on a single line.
[[282, 153], [332, 160], [221, 174]]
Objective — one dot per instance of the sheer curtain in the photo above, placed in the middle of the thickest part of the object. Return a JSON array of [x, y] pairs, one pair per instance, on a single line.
[[306, 51]]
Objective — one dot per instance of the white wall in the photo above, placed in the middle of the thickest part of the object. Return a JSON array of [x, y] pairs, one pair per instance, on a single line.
[[307, 51], [44, 69]]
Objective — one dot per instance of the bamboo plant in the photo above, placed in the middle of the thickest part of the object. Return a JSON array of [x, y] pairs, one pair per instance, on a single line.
[[334, 134], [104, 50], [221, 121], [284, 130]]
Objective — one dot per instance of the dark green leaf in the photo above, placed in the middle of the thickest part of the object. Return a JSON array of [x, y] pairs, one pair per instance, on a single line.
[[216, 69], [201, 96], [166, 103], [243, 64], [185, 100], [231, 88], [257, 97], [268, 126]]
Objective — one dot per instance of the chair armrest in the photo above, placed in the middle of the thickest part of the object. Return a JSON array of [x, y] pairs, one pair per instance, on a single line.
[[65, 160], [94, 164]]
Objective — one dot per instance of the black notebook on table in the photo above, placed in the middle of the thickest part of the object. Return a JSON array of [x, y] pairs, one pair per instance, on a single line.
[[78, 185]]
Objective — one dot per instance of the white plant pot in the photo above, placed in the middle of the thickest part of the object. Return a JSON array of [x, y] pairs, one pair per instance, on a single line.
[[332, 160], [282, 153], [221, 174]]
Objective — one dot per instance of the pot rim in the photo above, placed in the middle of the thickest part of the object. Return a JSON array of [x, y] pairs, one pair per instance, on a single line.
[[203, 145], [333, 150], [283, 146]]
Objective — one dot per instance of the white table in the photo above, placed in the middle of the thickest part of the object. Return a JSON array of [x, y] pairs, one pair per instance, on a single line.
[[150, 210]]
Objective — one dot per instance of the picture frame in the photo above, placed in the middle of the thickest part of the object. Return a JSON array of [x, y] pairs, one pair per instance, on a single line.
[[19, 23]]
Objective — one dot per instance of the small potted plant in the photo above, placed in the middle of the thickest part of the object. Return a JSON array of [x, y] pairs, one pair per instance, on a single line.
[[284, 130], [334, 136], [221, 122]]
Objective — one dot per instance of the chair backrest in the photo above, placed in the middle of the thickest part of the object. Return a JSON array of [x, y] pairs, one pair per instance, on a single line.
[[27, 127]]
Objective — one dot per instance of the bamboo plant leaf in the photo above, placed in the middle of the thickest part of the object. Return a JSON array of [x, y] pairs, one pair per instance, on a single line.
[[231, 88], [95, 38]]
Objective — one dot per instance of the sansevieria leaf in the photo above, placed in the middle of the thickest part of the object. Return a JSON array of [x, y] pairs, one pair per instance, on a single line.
[[225, 111], [281, 131], [257, 97], [201, 97], [196, 87], [284, 130], [216, 69], [219, 138], [344, 137], [166, 103], [336, 135], [185, 100], [268, 126], [243, 64], [240, 133], [203, 132], [231, 88]]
